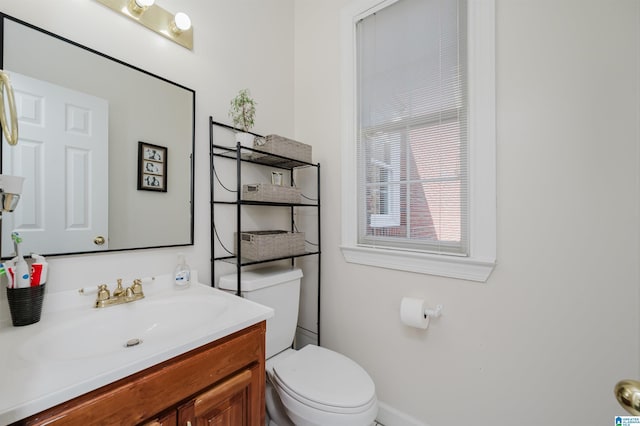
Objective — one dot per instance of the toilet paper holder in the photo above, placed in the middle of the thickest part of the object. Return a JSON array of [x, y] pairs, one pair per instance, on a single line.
[[433, 313]]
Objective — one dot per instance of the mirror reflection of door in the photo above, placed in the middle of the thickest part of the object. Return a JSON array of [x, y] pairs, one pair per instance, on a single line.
[[63, 143]]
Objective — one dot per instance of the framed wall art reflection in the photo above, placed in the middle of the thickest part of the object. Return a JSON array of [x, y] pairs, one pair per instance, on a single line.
[[152, 167]]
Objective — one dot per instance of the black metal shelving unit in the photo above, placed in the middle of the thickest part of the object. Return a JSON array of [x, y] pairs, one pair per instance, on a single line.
[[242, 155]]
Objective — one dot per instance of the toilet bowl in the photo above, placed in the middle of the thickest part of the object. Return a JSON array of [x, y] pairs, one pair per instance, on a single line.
[[318, 387]]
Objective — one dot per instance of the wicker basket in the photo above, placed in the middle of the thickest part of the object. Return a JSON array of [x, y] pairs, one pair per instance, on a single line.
[[263, 245], [271, 193], [284, 147]]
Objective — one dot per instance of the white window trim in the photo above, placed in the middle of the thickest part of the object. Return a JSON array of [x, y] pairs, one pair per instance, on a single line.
[[482, 154], [392, 218]]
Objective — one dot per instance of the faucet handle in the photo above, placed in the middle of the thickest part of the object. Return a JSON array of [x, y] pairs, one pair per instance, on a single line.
[[103, 292], [137, 286]]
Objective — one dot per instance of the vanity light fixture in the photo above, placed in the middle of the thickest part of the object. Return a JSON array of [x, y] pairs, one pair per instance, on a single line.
[[144, 3], [176, 28]]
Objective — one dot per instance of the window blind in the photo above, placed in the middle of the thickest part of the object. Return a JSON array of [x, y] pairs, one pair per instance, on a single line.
[[412, 141]]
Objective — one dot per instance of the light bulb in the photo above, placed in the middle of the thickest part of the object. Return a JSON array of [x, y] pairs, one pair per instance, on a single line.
[[182, 21], [145, 3]]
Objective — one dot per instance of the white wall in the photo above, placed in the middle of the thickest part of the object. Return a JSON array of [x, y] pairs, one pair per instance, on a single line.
[[556, 326], [237, 44]]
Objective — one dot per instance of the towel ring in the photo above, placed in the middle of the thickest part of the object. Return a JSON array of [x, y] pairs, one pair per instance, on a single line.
[[10, 134]]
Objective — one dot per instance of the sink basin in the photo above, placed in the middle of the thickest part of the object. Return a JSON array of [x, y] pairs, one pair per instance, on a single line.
[[127, 327]]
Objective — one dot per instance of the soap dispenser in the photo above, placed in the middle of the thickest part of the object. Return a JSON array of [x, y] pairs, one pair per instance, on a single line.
[[182, 273]]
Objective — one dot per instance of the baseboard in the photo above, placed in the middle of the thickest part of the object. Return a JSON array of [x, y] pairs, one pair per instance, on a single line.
[[389, 416]]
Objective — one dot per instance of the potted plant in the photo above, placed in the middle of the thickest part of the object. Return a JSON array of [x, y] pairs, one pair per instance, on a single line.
[[243, 112]]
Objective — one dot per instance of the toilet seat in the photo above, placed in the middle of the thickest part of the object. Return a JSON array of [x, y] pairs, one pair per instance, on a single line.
[[282, 388], [316, 378]]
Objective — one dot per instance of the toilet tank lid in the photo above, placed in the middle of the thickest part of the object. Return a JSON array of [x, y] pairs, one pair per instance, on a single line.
[[260, 278]]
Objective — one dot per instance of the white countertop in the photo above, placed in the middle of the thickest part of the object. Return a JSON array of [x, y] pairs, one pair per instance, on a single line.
[[36, 373]]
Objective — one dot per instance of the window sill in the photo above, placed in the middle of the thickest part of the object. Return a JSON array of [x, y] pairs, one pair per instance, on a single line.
[[466, 268]]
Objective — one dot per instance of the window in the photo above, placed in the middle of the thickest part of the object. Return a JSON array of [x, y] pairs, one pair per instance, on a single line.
[[381, 169], [419, 136]]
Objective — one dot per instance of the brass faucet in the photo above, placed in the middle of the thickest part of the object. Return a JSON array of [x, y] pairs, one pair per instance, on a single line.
[[120, 295]]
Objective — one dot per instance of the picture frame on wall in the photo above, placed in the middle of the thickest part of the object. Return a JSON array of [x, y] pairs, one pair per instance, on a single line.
[[152, 167]]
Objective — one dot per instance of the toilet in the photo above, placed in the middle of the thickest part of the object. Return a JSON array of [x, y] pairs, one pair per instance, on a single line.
[[312, 386]]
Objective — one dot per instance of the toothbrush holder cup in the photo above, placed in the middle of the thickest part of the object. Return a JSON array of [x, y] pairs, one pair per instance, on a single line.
[[25, 304]]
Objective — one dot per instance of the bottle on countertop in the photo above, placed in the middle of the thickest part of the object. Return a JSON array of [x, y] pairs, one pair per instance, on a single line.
[[182, 272]]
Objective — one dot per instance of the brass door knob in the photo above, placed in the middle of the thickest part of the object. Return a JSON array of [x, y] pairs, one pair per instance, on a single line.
[[99, 240], [628, 395]]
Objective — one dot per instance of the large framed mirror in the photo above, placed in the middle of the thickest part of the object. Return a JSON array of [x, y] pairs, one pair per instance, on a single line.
[[83, 117]]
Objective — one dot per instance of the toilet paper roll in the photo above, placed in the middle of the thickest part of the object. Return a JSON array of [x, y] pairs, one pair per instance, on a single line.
[[412, 313]]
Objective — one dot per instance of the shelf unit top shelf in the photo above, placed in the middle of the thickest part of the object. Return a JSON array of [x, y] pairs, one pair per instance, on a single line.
[[256, 156]]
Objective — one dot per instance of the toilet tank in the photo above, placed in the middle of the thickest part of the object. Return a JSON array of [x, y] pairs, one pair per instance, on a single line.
[[278, 288]]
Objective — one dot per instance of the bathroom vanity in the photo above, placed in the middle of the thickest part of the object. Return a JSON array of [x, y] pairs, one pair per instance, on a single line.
[[201, 358], [221, 382]]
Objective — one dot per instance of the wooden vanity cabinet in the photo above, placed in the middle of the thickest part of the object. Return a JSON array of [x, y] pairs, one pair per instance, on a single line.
[[166, 419], [221, 383], [224, 404]]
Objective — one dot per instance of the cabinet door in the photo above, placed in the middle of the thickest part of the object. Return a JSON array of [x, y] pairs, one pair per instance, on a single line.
[[168, 419], [230, 403]]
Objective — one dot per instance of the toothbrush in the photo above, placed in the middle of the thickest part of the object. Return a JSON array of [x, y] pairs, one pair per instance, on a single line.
[[3, 271], [17, 240], [22, 276]]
